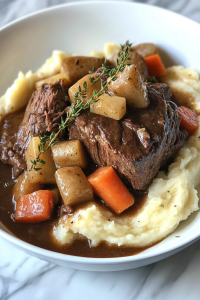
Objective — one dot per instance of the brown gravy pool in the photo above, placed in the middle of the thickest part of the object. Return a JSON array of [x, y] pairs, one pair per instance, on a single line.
[[41, 234]]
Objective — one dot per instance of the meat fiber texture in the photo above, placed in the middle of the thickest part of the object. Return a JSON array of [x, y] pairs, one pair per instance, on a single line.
[[162, 209], [43, 112], [138, 145], [171, 199], [183, 82], [17, 96]]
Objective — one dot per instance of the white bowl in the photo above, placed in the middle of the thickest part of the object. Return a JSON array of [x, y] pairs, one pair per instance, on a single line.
[[80, 28]]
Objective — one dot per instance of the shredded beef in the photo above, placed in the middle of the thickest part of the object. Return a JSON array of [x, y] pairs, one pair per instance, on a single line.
[[138, 145], [42, 116]]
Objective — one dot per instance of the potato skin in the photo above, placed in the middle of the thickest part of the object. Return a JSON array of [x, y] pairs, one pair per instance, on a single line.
[[145, 49], [138, 61], [75, 67], [23, 186], [53, 79], [69, 154], [90, 87], [56, 195], [73, 185], [130, 85], [47, 173]]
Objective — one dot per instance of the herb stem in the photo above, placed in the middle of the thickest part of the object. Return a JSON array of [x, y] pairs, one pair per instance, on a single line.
[[78, 106]]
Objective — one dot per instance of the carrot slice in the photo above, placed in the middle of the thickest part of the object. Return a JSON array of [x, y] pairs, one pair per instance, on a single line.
[[35, 207], [107, 185], [155, 65], [188, 119]]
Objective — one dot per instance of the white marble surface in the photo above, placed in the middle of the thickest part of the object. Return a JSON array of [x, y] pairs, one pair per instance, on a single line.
[[25, 277]]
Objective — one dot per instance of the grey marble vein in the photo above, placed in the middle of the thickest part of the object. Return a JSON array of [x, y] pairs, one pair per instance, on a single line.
[[172, 278]]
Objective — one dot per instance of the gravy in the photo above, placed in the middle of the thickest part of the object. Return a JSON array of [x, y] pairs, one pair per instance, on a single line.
[[41, 234]]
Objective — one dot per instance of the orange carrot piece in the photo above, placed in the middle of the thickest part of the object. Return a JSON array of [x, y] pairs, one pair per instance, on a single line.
[[107, 185], [155, 65], [35, 207], [188, 119]]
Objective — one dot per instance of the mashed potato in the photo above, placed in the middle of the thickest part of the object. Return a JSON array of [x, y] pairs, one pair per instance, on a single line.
[[185, 86], [171, 198], [18, 95]]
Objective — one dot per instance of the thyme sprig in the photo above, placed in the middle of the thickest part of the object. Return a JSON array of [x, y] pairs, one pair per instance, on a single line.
[[78, 106]]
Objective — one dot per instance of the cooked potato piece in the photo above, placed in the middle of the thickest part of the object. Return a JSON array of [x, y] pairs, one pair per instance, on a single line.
[[75, 67], [130, 86], [90, 88], [136, 60], [69, 154], [47, 173], [113, 107], [146, 49], [53, 79], [73, 185], [23, 186], [56, 195]]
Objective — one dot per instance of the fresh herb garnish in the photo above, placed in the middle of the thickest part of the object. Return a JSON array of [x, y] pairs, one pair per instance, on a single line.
[[78, 106], [152, 80]]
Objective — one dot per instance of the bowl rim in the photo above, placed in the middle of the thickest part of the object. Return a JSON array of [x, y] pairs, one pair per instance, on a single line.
[[90, 260], [95, 2]]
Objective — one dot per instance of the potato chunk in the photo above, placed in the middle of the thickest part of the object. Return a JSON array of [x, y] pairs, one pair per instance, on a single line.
[[53, 79], [56, 195], [113, 107], [23, 186], [47, 173], [140, 64], [136, 60], [73, 185], [69, 154], [145, 49], [129, 85], [90, 88], [75, 67]]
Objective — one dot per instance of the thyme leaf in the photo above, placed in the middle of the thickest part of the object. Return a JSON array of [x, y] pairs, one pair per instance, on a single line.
[[79, 106]]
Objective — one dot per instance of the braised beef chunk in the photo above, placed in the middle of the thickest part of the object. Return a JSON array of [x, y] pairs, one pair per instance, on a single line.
[[42, 114], [65, 210], [8, 138], [138, 145]]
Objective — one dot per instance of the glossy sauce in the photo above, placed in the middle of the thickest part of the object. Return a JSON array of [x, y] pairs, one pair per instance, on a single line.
[[41, 234]]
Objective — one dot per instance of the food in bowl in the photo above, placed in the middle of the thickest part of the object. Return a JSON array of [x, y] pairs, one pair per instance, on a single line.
[[104, 161]]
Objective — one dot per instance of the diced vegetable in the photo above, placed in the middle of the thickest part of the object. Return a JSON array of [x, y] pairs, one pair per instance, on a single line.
[[90, 88], [35, 207], [47, 173], [73, 185], [155, 65], [75, 67], [110, 106], [23, 186], [139, 63], [130, 85], [137, 60], [107, 185], [145, 49], [53, 79], [69, 154], [188, 119], [56, 195]]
